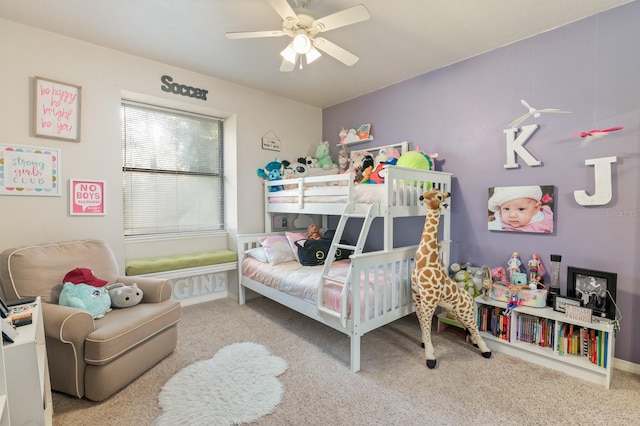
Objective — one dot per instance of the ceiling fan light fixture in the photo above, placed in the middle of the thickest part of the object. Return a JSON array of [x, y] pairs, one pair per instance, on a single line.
[[312, 55], [289, 54], [301, 42]]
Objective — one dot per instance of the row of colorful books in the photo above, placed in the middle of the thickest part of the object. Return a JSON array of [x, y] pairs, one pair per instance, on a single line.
[[535, 330], [587, 342], [494, 320]]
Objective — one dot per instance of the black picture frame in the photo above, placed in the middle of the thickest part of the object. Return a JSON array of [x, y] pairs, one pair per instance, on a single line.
[[595, 289], [560, 303]]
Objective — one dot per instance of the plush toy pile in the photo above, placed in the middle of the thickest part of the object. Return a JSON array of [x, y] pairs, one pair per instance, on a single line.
[[83, 290], [367, 169]]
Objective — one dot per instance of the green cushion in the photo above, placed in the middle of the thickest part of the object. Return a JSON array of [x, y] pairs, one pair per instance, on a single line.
[[180, 261]]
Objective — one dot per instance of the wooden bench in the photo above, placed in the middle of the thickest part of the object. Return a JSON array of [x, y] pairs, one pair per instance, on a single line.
[[193, 275]]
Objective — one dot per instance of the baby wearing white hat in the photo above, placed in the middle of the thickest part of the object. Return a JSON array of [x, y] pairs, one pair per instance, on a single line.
[[519, 208]]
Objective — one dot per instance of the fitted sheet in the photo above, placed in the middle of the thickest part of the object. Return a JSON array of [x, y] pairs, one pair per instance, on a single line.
[[302, 282]]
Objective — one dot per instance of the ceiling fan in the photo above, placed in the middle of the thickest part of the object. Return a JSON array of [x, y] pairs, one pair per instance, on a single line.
[[303, 27]]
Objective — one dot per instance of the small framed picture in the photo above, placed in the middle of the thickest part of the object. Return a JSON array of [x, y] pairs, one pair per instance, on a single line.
[[560, 303], [596, 290]]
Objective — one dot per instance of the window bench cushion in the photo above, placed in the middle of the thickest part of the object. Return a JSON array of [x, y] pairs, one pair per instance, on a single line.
[[180, 261]]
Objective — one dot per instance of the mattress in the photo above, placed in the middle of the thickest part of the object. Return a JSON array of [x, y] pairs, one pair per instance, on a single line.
[[302, 282]]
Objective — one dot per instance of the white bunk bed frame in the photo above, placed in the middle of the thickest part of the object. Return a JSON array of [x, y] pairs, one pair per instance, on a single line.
[[400, 198]]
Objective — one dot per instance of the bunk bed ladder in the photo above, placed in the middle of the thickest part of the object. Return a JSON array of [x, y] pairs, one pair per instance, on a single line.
[[350, 212]]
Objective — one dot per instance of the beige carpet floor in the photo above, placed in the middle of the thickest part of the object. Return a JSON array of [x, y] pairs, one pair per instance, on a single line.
[[394, 386]]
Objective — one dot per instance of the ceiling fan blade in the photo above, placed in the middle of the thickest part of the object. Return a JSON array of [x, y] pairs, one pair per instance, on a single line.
[[287, 66], [255, 34], [345, 17], [284, 9], [336, 51]]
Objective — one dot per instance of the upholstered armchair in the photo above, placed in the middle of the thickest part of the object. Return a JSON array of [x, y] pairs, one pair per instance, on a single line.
[[92, 358]]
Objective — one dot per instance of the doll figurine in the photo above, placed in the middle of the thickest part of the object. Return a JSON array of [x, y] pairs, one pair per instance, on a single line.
[[514, 265], [535, 268]]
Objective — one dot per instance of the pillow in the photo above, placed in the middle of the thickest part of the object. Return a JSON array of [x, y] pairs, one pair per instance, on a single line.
[[258, 254], [292, 237], [277, 249]]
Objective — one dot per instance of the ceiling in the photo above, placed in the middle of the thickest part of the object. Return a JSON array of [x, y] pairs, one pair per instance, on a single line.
[[403, 38]]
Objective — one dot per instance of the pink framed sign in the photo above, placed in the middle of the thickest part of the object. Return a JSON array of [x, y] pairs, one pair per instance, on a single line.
[[86, 197]]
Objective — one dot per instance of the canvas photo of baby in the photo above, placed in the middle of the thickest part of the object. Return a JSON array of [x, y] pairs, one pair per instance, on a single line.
[[521, 208]]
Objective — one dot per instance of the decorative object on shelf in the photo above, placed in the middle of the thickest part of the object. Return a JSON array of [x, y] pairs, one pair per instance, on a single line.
[[364, 131], [560, 303], [521, 208], [578, 313], [270, 141], [56, 110], [431, 285], [86, 197], [29, 170], [536, 269], [534, 113], [514, 265], [520, 295], [596, 290], [554, 284]]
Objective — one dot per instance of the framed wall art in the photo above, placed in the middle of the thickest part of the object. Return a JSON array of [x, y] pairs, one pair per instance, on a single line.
[[29, 170], [595, 289], [56, 110], [522, 208], [86, 197]]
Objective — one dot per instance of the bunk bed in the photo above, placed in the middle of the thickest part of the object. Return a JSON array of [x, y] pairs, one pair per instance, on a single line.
[[366, 291]]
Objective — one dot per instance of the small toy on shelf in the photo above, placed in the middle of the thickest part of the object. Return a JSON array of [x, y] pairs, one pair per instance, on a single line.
[[536, 268], [514, 265]]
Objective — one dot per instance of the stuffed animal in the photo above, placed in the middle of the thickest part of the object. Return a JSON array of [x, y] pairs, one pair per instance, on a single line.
[[324, 159], [300, 168], [273, 171], [312, 162], [343, 159], [124, 296], [342, 134], [379, 174], [313, 232], [96, 300]]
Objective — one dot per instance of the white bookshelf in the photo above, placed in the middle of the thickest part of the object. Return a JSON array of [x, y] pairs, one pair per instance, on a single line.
[[576, 365], [27, 374]]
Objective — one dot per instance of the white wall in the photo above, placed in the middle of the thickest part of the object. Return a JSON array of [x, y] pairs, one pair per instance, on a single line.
[[105, 76]]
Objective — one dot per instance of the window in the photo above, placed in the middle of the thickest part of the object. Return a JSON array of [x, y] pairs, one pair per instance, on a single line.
[[172, 171]]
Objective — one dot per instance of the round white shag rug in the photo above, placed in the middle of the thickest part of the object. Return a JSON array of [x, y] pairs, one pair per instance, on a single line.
[[238, 385]]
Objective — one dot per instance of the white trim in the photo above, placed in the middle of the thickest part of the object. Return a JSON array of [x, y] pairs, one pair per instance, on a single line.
[[192, 272], [629, 367]]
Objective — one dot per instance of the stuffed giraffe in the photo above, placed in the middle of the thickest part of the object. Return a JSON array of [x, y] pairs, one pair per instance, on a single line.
[[431, 286]]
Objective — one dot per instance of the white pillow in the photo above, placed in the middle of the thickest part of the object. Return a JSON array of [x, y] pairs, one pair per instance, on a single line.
[[277, 249], [258, 253]]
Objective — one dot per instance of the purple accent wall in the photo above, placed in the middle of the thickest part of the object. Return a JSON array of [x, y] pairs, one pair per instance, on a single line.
[[591, 68]]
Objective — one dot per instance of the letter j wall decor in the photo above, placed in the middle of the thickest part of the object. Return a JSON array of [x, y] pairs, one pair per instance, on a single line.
[[28, 170]]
